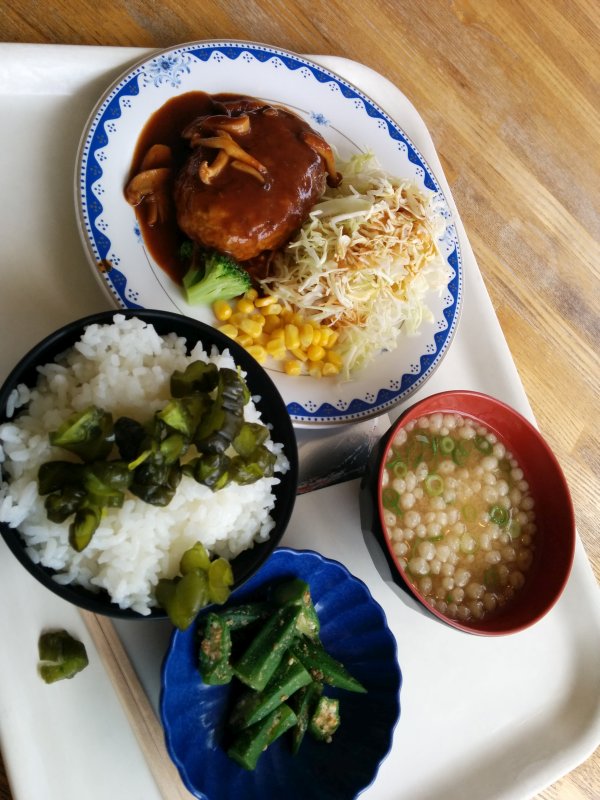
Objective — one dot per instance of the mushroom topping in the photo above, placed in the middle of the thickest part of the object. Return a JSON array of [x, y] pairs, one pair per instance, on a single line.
[[159, 155], [225, 142], [208, 172], [320, 146], [151, 188], [222, 122]]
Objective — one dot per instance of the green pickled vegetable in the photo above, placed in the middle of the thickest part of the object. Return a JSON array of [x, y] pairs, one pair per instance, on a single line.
[[250, 436], [195, 557], [61, 505], [212, 469], [55, 475], [83, 527], [189, 596], [220, 580], [87, 434], [60, 656], [198, 377]]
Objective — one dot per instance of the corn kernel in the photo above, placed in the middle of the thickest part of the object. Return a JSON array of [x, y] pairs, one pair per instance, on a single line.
[[274, 308], [251, 295], [316, 352], [329, 369], [333, 336], [257, 352], [274, 346], [251, 327], [325, 336], [278, 333], [291, 336], [222, 310], [244, 306], [316, 334], [299, 354], [245, 339], [270, 324], [236, 318], [292, 367], [314, 369], [267, 300], [333, 357], [306, 335], [229, 330]]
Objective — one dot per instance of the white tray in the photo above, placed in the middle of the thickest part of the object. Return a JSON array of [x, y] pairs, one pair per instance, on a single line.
[[481, 718]]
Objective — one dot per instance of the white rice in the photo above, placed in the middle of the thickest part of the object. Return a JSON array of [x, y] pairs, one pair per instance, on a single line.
[[123, 368]]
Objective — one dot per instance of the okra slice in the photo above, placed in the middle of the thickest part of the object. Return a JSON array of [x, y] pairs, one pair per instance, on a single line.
[[245, 614], [248, 746], [258, 662], [325, 719], [303, 704], [215, 652], [323, 667], [289, 676], [297, 592]]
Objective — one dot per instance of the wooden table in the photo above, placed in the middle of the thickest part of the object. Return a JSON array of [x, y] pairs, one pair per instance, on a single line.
[[510, 92]]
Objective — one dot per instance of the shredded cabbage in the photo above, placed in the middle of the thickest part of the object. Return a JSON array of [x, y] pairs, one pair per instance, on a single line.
[[364, 261]]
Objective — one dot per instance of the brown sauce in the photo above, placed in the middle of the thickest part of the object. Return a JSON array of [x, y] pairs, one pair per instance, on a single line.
[[238, 214], [163, 240]]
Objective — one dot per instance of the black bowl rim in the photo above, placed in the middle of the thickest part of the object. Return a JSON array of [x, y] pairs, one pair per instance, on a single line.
[[285, 492]]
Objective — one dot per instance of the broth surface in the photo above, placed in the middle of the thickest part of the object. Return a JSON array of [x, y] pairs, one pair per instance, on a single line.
[[458, 515]]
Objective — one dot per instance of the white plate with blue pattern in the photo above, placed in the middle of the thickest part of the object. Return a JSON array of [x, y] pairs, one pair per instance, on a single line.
[[349, 120]]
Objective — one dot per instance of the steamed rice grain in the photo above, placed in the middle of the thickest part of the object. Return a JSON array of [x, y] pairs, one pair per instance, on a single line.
[[124, 368]]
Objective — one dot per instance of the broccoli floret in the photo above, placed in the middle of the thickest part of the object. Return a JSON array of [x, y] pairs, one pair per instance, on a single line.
[[216, 277]]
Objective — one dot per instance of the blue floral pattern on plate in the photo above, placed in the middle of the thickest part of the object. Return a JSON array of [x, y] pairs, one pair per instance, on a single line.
[[352, 123]]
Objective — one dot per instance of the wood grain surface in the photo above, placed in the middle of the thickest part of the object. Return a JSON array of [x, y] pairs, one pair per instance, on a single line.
[[510, 92]]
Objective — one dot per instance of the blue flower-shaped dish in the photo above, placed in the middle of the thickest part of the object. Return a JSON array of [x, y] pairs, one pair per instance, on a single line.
[[354, 630]]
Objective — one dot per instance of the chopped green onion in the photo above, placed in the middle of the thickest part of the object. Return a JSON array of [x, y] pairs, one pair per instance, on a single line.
[[434, 485], [389, 498], [460, 454], [446, 444], [420, 437], [398, 467], [434, 445], [483, 445], [499, 515]]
